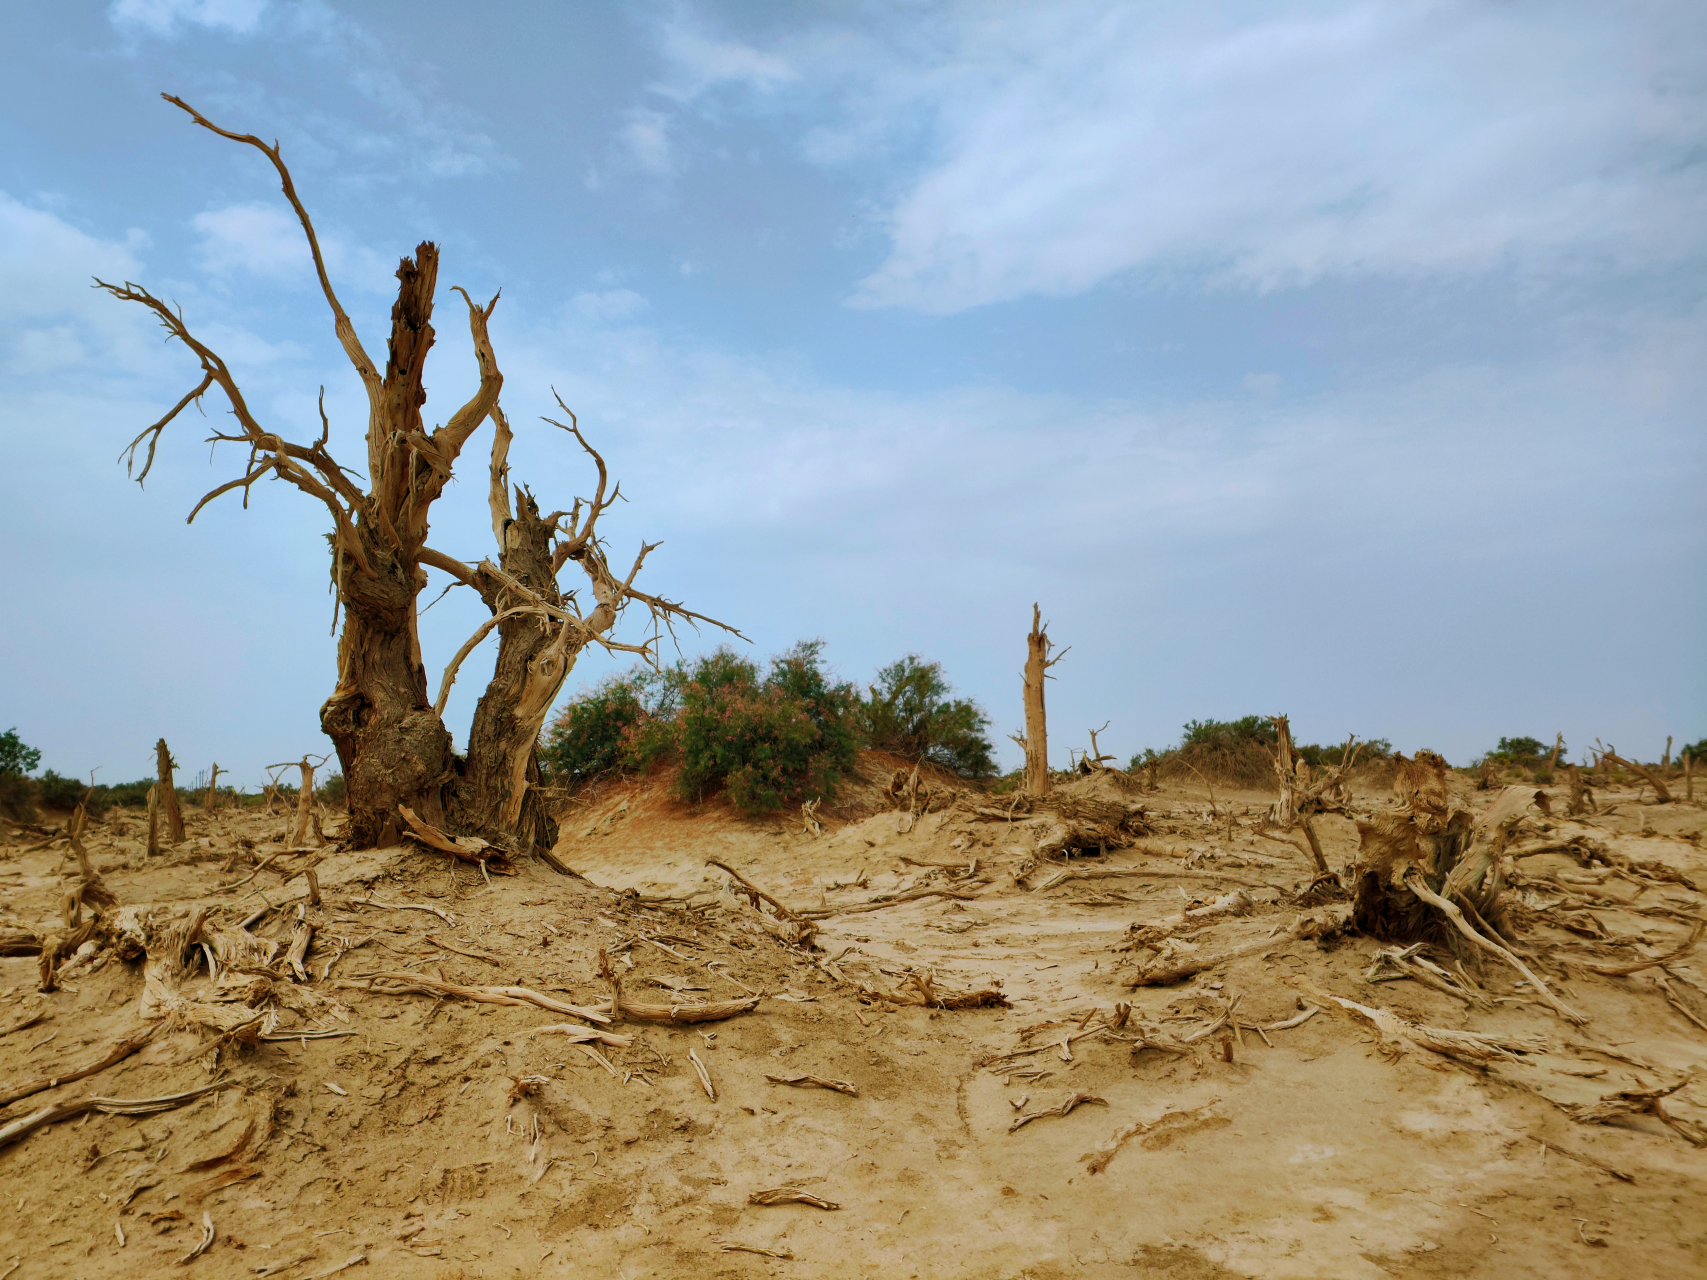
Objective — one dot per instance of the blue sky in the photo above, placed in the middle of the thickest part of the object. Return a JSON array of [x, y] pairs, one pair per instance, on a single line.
[[1338, 359]]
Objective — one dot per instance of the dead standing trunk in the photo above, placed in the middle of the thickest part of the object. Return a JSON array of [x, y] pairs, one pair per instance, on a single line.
[[495, 796], [168, 794], [1286, 812], [1036, 740]]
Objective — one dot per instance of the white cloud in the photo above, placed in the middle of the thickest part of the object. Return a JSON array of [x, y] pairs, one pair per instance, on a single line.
[[611, 305], [163, 16], [253, 237], [698, 62], [646, 135], [1045, 149]]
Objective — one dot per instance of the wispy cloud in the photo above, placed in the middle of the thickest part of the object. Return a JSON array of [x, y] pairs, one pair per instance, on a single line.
[[162, 17], [1043, 150], [425, 132], [646, 138]]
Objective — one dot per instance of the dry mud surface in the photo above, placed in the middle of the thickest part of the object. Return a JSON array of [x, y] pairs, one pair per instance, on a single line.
[[403, 1149]]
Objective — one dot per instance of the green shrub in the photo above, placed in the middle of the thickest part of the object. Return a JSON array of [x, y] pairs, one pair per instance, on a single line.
[[763, 742], [1521, 751], [331, 792], [909, 712], [606, 728], [16, 759], [58, 792]]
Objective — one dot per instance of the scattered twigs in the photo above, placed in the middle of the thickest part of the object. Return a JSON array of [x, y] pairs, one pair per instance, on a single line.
[[1414, 882], [112, 1056], [24, 1126], [817, 1082], [1072, 1101], [420, 984], [703, 1074], [462, 951], [1625, 970], [1661, 795], [790, 1195]]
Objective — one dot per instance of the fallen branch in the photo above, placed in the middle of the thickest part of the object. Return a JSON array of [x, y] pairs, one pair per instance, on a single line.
[[790, 1195], [1112, 873], [111, 1057], [585, 1035], [1467, 1046], [24, 1126], [1314, 924], [1075, 1100], [405, 906], [753, 1248], [420, 984], [879, 905], [1098, 1161], [1414, 882], [801, 930], [464, 848], [1633, 1102], [676, 1014], [818, 1082]]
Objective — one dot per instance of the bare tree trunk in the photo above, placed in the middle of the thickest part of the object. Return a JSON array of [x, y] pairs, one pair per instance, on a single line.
[[392, 745], [304, 805], [1037, 664], [1689, 775], [154, 820], [164, 764], [495, 795], [1286, 812], [1558, 745], [1665, 760], [212, 788]]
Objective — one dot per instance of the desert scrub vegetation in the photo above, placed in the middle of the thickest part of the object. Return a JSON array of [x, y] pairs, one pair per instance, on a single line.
[[763, 738], [1242, 752]]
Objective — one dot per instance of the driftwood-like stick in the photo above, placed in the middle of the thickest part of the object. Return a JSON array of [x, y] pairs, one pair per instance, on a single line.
[[816, 1082], [1415, 884], [790, 1195], [704, 1075], [756, 895], [1075, 1100], [1315, 845]]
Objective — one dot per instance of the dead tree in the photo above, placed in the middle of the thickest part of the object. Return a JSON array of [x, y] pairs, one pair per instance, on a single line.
[[390, 736], [212, 788], [168, 794], [1285, 813], [1035, 743], [541, 632]]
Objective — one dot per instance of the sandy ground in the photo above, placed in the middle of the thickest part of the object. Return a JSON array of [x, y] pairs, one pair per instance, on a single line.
[[1323, 1153]]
